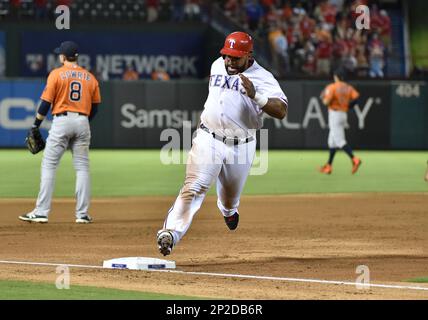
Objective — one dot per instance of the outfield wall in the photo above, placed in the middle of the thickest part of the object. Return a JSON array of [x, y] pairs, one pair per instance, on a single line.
[[391, 115]]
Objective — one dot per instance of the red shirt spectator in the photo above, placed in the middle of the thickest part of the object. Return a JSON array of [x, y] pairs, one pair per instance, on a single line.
[[329, 13], [15, 3], [63, 3], [324, 50], [287, 12], [41, 3], [385, 23], [271, 16], [307, 26], [340, 48]]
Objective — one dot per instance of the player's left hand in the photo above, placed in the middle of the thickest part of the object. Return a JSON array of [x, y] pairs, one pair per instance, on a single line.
[[248, 86], [34, 141]]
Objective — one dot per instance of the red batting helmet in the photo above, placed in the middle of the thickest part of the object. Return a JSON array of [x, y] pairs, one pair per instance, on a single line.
[[237, 44]]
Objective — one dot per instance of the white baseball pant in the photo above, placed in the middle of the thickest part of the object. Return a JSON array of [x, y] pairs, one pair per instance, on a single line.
[[337, 121], [210, 159]]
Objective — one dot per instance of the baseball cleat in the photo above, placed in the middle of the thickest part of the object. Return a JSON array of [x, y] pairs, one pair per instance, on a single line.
[[84, 219], [165, 242], [356, 163], [327, 169], [32, 217], [232, 221]]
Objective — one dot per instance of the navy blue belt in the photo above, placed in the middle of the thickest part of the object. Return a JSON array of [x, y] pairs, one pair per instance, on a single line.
[[65, 113], [227, 140]]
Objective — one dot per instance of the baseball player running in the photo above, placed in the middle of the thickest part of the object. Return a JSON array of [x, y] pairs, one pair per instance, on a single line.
[[240, 91], [339, 97], [73, 93]]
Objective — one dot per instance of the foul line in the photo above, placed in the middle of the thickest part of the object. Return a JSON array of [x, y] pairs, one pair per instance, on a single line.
[[228, 275]]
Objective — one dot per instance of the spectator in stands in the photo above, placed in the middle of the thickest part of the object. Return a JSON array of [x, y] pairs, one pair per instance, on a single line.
[[40, 8], [152, 10], [338, 4], [341, 28], [63, 3], [15, 6], [376, 57], [385, 30], [254, 13], [279, 45], [323, 55], [326, 12], [309, 67], [177, 10], [232, 8], [130, 74], [307, 26], [350, 63], [192, 10], [287, 11], [164, 10], [339, 51], [160, 74]]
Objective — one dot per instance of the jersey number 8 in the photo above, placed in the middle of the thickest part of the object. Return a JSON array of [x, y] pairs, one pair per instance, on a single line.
[[75, 90]]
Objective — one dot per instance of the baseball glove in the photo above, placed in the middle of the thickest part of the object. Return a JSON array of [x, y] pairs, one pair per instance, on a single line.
[[34, 141]]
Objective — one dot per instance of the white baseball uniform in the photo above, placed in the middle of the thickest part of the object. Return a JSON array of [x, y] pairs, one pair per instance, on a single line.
[[224, 148]]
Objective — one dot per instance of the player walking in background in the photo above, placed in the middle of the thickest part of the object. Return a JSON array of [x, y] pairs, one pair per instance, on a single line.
[[73, 93], [339, 97], [240, 91]]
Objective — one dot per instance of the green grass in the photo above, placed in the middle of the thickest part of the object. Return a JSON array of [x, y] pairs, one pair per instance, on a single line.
[[419, 280], [138, 173], [25, 290]]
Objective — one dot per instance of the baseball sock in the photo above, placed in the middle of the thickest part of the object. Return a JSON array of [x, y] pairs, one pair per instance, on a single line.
[[348, 151], [332, 154]]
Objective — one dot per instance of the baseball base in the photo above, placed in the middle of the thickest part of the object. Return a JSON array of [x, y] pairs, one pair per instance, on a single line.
[[138, 263]]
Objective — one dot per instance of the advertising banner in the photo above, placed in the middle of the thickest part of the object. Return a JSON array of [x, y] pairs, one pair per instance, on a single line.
[[108, 55], [18, 104]]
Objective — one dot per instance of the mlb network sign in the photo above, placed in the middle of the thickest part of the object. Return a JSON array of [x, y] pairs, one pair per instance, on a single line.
[[111, 54]]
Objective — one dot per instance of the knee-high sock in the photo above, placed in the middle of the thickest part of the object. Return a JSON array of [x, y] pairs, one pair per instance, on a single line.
[[348, 151], [331, 156]]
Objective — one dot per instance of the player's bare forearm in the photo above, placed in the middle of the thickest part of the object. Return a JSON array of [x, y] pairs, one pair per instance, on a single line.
[[276, 108]]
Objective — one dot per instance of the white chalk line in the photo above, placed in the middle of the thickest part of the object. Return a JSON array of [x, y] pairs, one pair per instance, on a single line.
[[228, 275]]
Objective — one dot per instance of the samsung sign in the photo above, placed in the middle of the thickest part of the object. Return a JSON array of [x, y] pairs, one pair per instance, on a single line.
[[134, 117]]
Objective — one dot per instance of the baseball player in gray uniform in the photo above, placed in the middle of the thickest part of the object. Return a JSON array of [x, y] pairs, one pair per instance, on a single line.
[[240, 92], [74, 95]]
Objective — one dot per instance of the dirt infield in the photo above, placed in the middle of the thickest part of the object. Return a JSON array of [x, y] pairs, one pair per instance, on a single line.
[[304, 236]]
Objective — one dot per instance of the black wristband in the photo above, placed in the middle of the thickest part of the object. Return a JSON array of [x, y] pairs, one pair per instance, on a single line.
[[37, 123]]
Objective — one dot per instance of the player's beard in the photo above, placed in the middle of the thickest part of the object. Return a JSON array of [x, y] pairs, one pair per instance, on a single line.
[[236, 69]]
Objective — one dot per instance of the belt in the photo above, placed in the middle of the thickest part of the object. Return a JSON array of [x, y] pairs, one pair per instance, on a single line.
[[226, 139], [65, 113]]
